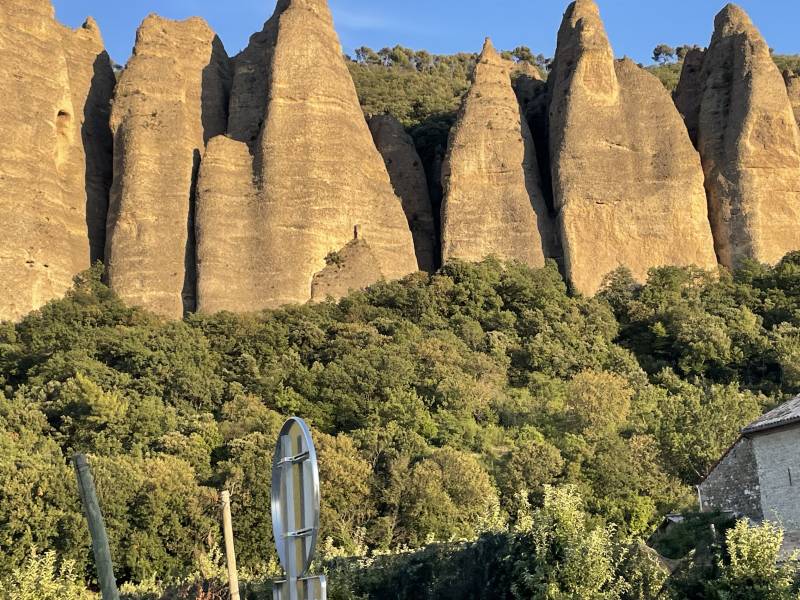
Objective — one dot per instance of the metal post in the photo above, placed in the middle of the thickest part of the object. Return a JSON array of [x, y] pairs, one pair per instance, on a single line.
[[97, 529], [230, 553]]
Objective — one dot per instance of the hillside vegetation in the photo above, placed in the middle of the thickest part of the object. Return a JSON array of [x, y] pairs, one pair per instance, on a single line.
[[442, 406]]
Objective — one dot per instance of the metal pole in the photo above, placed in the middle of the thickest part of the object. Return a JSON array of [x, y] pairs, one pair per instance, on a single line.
[[97, 529], [230, 553]]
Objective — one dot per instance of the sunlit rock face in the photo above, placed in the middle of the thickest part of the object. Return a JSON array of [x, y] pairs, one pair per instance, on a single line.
[[493, 203], [627, 182], [171, 99], [55, 160], [749, 142], [315, 181]]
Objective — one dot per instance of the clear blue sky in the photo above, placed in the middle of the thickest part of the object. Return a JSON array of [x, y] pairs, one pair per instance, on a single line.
[[447, 26]]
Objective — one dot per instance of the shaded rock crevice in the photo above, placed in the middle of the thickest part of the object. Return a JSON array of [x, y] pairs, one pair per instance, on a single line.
[[409, 182]]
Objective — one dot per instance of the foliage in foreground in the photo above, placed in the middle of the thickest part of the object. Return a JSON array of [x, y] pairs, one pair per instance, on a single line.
[[442, 406]]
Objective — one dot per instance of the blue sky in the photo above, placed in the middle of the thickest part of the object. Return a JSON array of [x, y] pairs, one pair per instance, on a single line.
[[446, 26]]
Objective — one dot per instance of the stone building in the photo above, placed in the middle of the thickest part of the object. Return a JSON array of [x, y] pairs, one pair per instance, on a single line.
[[759, 476]]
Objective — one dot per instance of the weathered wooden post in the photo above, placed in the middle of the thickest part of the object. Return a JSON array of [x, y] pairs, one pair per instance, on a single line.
[[230, 552], [97, 529]]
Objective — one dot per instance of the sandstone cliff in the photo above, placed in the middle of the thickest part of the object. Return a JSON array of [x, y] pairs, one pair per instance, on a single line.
[[317, 176], [750, 146], [170, 100], [408, 179], [55, 158], [493, 202], [627, 182]]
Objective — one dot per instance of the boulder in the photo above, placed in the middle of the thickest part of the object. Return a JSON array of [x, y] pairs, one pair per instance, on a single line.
[[493, 203], [55, 160], [171, 99], [627, 182], [408, 179], [750, 146]]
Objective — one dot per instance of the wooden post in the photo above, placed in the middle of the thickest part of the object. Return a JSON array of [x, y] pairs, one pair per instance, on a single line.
[[97, 529], [230, 553]]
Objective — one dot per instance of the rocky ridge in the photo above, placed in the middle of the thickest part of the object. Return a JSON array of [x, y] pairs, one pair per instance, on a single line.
[[250, 182]]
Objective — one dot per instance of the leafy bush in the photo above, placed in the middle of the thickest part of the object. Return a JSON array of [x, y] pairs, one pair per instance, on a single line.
[[443, 407], [41, 577]]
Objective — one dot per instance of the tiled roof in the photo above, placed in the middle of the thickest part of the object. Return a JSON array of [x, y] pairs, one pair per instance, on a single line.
[[786, 414]]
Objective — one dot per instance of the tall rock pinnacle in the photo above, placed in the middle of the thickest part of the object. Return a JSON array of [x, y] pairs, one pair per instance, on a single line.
[[55, 161], [749, 143], [321, 195], [493, 202], [171, 99], [627, 182], [408, 179]]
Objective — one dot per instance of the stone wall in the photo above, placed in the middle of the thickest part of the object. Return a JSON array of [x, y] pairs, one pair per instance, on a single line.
[[777, 455], [733, 484]]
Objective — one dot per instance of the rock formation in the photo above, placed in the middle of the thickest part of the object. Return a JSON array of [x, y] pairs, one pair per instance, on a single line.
[[627, 183], [689, 92], [55, 159], [171, 99], [749, 143], [346, 270], [230, 257], [792, 81], [493, 202], [317, 176], [408, 179]]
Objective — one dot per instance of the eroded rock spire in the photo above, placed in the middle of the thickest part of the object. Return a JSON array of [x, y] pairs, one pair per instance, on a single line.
[[316, 175], [493, 203], [627, 182], [749, 142], [171, 99]]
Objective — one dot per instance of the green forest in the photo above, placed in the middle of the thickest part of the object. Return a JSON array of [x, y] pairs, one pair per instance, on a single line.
[[482, 433]]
